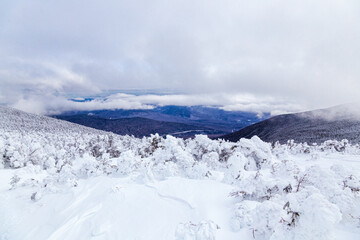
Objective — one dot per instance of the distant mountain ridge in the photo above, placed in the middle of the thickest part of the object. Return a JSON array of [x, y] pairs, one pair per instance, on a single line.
[[139, 127], [336, 123], [201, 116]]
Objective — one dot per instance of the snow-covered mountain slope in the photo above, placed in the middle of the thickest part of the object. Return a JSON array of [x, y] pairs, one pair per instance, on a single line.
[[62, 181], [15, 120], [340, 122]]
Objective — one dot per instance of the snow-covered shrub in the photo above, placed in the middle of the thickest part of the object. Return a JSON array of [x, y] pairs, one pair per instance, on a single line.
[[302, 215], [255, 150]]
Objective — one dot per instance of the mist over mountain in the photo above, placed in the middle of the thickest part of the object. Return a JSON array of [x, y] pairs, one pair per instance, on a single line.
[[335, 123]]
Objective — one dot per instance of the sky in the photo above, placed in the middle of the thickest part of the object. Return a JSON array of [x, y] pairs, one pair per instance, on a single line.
[[262, 56]]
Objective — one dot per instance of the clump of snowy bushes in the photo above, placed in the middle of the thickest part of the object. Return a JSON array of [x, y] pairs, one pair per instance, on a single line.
[[286, 199], [277, 197]]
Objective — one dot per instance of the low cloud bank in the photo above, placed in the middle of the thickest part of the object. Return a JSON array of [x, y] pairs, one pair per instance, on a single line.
[[48, 104]]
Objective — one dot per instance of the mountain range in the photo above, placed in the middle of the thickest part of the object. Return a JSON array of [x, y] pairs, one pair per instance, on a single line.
[[139, 127], [336, 123], [180, 121]]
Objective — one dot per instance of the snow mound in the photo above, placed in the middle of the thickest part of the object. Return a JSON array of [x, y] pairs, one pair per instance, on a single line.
[[205, 230]]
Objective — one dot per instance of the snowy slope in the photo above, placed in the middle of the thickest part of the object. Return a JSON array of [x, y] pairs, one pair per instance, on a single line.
[[63, 181], [340, 122], [14, 120]]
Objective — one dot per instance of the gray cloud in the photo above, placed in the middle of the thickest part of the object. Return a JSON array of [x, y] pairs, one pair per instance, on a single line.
[[286, 55]]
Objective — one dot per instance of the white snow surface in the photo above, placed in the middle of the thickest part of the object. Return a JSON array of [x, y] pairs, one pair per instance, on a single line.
[[63, 181]]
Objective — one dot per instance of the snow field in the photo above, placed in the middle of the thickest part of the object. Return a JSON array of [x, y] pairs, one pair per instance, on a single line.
[[62, 181]]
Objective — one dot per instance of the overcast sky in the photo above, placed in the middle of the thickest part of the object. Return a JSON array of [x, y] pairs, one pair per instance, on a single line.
[[256, 55]]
